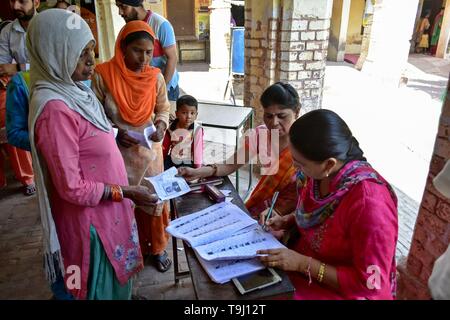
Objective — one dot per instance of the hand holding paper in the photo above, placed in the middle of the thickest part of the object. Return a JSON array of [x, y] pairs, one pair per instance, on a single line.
[[143, 139], [168, 186]]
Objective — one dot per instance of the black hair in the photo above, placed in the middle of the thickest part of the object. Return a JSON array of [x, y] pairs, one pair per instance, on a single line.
[[426, 13], [187, 100], [138, 35], [282, 94], [322, 134]]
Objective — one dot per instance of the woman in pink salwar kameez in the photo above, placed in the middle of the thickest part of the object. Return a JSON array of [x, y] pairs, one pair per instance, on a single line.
[[346, 217], [89, 230]]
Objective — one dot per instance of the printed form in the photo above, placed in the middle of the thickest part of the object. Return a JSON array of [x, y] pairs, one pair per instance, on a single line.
[[167, 186], [225, 240]]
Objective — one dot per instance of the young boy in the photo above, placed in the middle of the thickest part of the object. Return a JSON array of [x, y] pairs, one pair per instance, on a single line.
[[183, 142]]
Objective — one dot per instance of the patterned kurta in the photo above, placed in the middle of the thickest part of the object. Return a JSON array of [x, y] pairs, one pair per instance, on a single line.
[[81, 159]]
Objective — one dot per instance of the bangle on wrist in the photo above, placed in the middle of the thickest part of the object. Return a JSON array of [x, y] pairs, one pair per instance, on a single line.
[[308, 271], [116, 193], [321, 273], [214, 166], [106, 193]]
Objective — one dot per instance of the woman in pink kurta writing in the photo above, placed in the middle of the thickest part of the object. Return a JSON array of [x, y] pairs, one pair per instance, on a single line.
[[85, 202], [346, 217]]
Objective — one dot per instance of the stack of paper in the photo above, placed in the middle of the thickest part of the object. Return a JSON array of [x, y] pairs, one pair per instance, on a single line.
[[225, 240]]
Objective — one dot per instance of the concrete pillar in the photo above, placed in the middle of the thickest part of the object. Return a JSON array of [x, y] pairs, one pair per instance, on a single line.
[[444, 38], [338, 29], [109, 23], [220, 17], [432, 230], [389, 44]]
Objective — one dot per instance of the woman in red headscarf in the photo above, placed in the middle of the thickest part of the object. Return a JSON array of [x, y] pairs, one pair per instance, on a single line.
[[135, 97]]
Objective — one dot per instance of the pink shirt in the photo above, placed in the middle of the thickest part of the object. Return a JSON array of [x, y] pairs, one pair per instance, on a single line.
[[81, 159], [359, 239]]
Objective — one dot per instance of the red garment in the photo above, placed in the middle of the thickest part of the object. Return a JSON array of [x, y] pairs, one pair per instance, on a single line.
[[359, 239], [20, 159]]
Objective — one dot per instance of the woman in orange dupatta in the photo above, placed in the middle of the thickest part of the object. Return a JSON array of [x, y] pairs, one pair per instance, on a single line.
[[281, 107], [134, 96]]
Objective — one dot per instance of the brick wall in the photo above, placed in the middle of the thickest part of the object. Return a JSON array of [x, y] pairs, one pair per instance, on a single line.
[[286, 41], [432, 230], [257, 61], [303, 51]]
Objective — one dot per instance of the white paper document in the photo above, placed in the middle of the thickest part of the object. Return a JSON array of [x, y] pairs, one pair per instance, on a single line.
[[226, 192], [240, 245], [225, 240], [167, 186], [143, 139], [223, 271], [216, 222]]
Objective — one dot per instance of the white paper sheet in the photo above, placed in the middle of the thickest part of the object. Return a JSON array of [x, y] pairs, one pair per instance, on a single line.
[[167, 186], [143, 138], [226, 192], [214, 223], [241, 245], [224, 270]]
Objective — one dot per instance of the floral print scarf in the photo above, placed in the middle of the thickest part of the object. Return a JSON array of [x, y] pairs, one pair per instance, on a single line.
[[313, 210]]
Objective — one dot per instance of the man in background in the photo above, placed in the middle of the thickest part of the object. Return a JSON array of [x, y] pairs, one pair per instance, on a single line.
[[13, 59]]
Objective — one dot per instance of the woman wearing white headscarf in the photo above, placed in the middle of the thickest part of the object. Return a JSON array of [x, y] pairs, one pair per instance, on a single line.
[[89, 227]]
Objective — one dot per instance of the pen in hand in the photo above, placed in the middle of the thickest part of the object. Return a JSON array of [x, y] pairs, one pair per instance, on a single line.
[[274, 200]]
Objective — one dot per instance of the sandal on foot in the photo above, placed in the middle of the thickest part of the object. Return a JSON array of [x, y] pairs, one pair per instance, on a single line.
[[162, 261], [29, 190]]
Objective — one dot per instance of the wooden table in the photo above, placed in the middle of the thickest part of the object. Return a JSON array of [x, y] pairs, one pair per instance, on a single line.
[[204, 287]]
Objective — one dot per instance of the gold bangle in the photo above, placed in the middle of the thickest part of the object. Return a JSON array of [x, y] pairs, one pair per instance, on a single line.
[[321, 273]]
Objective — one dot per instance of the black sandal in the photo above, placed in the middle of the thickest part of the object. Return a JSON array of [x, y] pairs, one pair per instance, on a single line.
[[29, 190], [162, 261]]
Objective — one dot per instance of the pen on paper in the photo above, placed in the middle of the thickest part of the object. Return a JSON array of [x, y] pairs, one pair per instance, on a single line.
[[274, 200]]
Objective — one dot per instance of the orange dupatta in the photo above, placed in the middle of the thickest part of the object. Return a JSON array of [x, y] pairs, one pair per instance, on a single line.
[[268, 184], [134, 93]]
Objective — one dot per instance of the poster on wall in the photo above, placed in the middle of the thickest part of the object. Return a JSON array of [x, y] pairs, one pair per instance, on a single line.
[[203, 25], [85, 8]]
